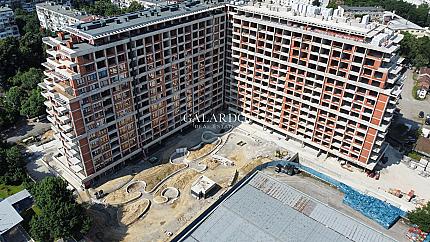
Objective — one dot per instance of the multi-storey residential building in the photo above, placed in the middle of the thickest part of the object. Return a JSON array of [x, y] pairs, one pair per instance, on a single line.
[[116, 87], [8, 27], [316, 77], [55, 17], [26, 5]]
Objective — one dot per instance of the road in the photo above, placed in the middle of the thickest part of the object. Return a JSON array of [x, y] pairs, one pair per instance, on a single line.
[[25, 129], [35, 166], [409, 106]]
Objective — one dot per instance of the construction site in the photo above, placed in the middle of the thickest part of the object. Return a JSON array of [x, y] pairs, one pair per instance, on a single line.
[[157, 198], [154, 201]]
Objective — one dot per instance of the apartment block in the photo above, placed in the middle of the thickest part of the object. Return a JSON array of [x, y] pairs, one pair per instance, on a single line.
[[316, 77], [117, 86], [8, 27], [55, 17]]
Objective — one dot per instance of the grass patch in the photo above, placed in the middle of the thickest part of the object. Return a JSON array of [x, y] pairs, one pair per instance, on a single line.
[[7, 190], [414, 155], [415, 87], [28, 214]]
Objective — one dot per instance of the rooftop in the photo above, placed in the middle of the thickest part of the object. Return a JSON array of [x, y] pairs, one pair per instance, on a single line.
[[398, 23], [203, 184], [423, 145], [5, 9], [9, 217], [17, 197], [265, 209], [64, 10], [115, 25], [361, 9]]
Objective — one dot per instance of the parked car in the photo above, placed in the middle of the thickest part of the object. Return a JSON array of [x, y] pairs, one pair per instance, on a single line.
[[421, 114], [428, 120]]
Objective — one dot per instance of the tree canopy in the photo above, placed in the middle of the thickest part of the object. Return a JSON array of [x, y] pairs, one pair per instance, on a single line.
[[20, 63], [61, 216], [421, 217], [107, 8], [12, 165], [416, 50], [415, 14]]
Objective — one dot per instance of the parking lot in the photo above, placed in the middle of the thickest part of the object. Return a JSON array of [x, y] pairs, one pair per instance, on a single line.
[[411, 107]]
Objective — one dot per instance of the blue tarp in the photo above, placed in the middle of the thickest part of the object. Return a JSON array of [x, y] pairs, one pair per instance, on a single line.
[[382, 212]]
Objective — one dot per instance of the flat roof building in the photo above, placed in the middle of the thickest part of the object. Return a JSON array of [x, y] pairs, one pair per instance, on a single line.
[[8, 27], [265, 209], [117, 86], [55, 17]]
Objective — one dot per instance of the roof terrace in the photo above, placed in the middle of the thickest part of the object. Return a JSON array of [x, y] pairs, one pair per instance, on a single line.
[[127, 22]]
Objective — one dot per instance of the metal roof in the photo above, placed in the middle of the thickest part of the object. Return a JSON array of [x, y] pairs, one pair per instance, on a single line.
[[264, 209], [9, 217], [17, 197]]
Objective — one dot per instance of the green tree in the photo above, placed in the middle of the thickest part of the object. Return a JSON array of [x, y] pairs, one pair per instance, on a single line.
[[33, 106], [9, 58], [27, 80], [135, 6], [420, 61], [61, 216], [421, 217], [12, 100], [12, 165]]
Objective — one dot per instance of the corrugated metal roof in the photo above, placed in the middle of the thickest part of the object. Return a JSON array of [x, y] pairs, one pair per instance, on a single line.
[[265, 209], [9, 217]]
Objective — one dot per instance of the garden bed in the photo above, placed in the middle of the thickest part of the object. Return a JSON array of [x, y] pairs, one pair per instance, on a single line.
[[155, 175], [115, 184], [129, 213], [206, 149], [121, 197]]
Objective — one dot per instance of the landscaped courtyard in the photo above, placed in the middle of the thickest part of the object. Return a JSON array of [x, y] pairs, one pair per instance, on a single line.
[[156, 201]]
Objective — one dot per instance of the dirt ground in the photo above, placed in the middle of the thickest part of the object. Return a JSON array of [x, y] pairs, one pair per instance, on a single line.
[[130, 212], [162, 220], [154, 175], [114, 184], [121, 196], [179, 181], [207, 148]]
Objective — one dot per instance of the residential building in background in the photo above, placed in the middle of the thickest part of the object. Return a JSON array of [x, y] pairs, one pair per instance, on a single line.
[[118, 86], [8, 27], [26, 5], [55, 17], [316, 76]]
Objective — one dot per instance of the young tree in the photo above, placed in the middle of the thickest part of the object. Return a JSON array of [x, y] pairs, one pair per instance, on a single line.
[[421, 217], [61, 216]]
